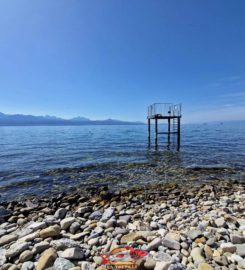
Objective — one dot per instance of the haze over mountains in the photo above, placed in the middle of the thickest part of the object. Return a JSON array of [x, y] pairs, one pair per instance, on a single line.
[[31, 120]]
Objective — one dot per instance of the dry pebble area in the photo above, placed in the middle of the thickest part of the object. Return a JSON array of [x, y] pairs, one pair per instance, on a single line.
[[189, 226]]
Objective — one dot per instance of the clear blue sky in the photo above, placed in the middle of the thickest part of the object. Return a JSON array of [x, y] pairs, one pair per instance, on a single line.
[[112, 58]]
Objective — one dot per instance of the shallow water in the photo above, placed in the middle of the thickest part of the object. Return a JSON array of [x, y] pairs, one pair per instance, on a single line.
[[32, 158]]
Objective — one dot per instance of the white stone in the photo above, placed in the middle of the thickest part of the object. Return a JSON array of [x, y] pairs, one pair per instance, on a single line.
[[131, 211], [73, 253], [220, 222], [173, 235], [23, 232], [96, 232], [27, 266], [86, 266], [170, 243], [154, 244], [130, 226], [40, 247], [154, 225], [162, 232], [93, 241], [241, 221], [65, 223], [196, 255], [162, 266], [2, 256], [60, 213], [16, 248], [162, 256], [241, 264], [97, 260], [166, 218], [193, 234], [37, 225], [62, 264], [83, 210], [240, 250], [236, 258], [2, 232], [64, 243], [163, 206], [108, 213], [29, 237], [96, 215]]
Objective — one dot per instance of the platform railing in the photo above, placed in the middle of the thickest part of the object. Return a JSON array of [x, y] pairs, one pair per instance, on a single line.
[[164, 109]]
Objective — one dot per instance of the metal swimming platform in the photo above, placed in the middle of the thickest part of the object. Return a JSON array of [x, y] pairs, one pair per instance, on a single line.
[[166, 111]]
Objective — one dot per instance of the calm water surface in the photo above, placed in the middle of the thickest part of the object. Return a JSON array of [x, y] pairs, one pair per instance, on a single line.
[[32, 158]]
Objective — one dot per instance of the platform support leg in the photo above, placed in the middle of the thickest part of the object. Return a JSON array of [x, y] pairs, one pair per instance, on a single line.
[[156, 131], [178, 133], [149, 130], [169, 131]]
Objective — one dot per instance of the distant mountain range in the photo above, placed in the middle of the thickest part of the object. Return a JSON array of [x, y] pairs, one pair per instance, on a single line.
[[31, 120]]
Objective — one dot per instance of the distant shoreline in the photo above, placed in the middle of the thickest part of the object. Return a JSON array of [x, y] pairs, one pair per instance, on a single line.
[[32, 120], [104, 123], [71, 124]]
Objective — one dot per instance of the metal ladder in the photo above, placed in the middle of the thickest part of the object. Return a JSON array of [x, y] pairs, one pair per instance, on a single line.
[[175, 125]]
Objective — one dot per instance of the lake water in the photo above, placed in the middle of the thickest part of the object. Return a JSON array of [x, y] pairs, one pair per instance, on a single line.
[[42, 159]]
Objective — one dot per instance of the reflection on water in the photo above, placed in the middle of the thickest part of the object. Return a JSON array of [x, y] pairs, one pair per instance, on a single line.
[[38, 159]]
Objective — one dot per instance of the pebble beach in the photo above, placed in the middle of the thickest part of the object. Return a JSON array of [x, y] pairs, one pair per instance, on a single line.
[[190, 225], [122, 135]]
